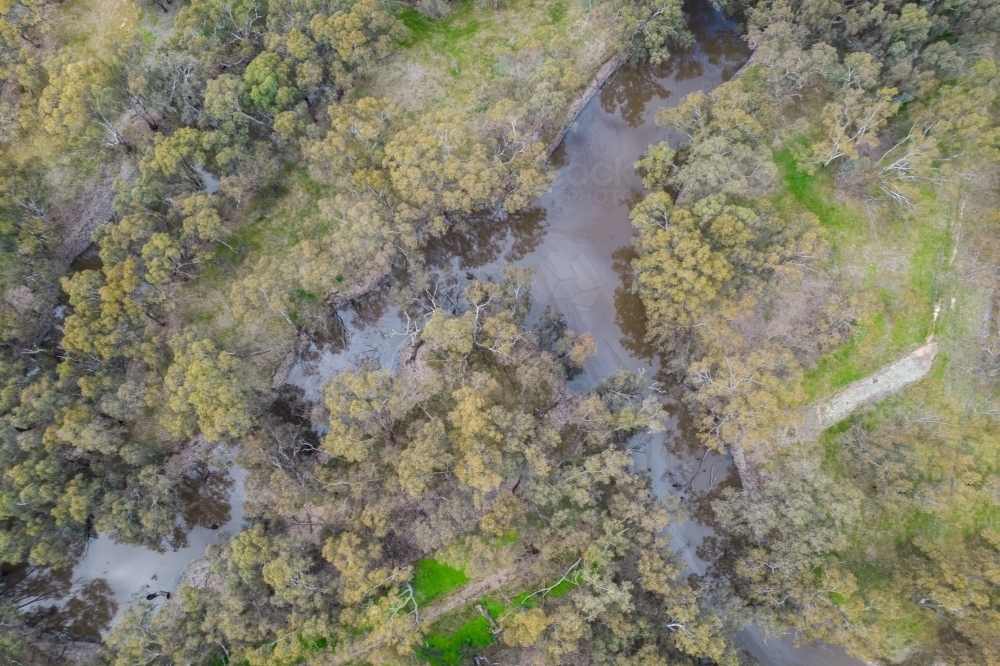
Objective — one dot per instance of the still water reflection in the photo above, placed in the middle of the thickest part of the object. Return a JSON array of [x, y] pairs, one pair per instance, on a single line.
[[83, 601]]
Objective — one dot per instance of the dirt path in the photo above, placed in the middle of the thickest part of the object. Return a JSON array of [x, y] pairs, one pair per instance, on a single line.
[[822, 414], [428, 615], [467, 595], [870, 390]]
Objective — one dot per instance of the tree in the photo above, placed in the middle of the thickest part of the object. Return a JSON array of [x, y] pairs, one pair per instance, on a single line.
[[650, 30], [267, 86], [679, 272], [441, 165], [858, 111], [27, 241], [363, 406], [109, 317], [727, 152], [526, 627], [656, 166], [794, 531], [426, 456], [83, 103], [204, 391]]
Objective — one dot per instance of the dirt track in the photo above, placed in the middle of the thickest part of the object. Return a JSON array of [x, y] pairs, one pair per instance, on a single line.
[[821, 415], [870, 390]]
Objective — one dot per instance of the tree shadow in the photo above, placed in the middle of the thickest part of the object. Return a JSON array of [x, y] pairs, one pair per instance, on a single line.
[[721, 42], [205, 497], [483, 240], [50, 600], [630, 313], [632, 89]]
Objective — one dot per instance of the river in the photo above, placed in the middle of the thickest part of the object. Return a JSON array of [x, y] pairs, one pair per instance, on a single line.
[[577, 238]]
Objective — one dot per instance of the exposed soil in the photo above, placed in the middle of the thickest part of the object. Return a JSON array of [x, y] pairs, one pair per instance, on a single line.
[[867, 391], [76, 217]]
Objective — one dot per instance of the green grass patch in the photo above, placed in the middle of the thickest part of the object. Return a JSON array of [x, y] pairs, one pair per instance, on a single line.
[[458, 633], [444, 33], [565, 587], [901, 257], [813, 191], [829, 440], [557, 12], [451, 649], [433, 579]]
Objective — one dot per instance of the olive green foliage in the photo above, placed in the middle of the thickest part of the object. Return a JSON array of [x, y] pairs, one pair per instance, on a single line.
[[68, 455], [93, 407], [879, 537], [471, 463], [473, 453], [27, 244], [21, 29], [704, 272], [727, 151], [237, 88], [648, 31]]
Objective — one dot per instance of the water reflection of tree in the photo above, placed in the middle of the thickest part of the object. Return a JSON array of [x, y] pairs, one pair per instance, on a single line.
[[483, 240], [689, 65], [685, 440], [631, 90], [719, 549], [48, 600], [724, 46], [86, 613], [206, 496], [630, 313]]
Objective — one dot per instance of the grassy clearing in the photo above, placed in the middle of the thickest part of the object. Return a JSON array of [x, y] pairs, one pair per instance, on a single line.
[[450, 649], [444, 33], [448, 61], [433, 579], [901, 259], [457, 633], [81, 23]]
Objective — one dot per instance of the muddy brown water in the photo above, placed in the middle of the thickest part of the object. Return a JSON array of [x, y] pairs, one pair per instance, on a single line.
[[84, 600], [577, 238]]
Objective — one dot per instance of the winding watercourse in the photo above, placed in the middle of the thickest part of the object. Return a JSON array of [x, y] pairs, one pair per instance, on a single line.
[[577, 238]]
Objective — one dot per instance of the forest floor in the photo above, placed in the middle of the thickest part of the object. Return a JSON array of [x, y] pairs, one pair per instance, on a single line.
[[888, 407]]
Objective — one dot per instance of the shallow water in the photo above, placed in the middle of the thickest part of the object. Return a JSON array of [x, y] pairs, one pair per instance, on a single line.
[[577, 238], [85, 601]]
